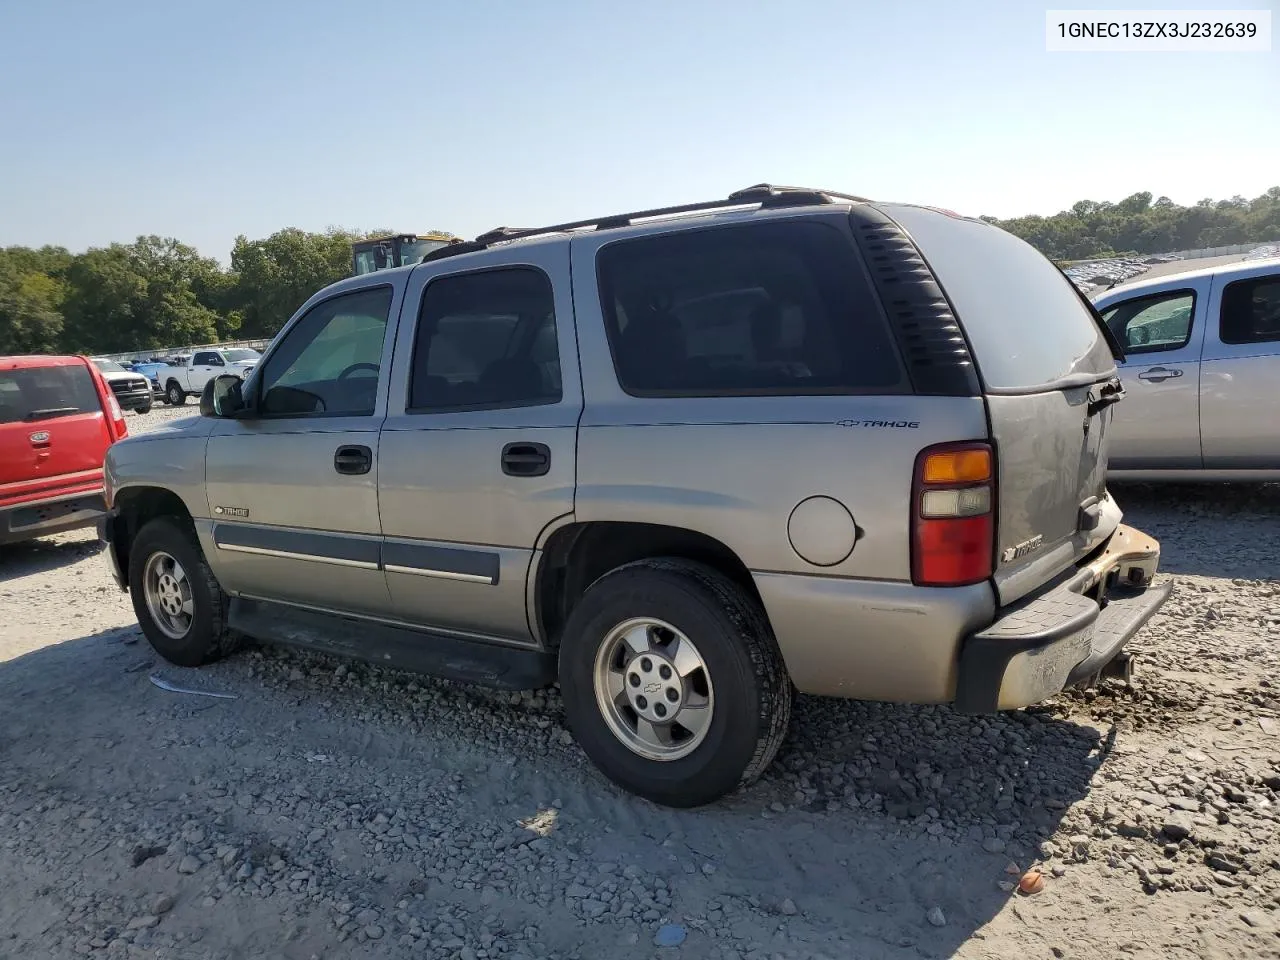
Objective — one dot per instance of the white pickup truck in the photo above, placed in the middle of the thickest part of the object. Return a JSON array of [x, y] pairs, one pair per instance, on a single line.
[[179, 380]]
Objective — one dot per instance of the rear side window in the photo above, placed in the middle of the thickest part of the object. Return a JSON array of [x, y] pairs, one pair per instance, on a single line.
[[1251, 311], [753, 309], [1026, 324], [46, 393]]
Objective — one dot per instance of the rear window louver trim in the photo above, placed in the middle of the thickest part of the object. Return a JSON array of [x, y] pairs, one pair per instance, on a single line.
[[933, 345]]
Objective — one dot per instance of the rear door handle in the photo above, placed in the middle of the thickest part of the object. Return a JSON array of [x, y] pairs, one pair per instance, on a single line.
[[522, 459], [1159, 374], [353, 460]]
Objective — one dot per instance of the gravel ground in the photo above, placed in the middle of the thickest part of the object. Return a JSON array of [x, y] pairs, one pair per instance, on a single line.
[[339, 810]]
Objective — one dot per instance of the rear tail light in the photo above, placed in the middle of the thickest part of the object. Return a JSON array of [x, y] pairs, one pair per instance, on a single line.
[[952, 515], [119, 428]]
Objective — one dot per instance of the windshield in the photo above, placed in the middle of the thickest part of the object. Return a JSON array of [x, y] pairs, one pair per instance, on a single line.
[[414, 251], [236, 356], [109, 366]]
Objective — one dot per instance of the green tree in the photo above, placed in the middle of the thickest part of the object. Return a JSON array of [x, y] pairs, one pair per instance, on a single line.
[[137, 296], [30, 301], [277, 275]]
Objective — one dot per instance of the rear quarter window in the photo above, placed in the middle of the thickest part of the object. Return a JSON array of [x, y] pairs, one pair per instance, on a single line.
[[46, 393], [1027, 326], [758, 309]]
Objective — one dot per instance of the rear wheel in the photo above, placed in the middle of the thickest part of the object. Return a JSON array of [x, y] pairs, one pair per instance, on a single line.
[[174, 395], [673, 683], [176, 598]]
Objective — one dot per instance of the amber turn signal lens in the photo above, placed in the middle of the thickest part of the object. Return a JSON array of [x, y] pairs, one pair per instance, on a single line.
[[958, 466]]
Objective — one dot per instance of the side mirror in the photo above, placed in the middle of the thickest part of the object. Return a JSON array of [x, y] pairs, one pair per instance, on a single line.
[[223, 396]]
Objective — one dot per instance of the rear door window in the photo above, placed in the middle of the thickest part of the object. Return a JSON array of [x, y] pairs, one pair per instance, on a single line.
[[1028, 327], [1251, 311], [46, 393], [751, 309], [486, 340]]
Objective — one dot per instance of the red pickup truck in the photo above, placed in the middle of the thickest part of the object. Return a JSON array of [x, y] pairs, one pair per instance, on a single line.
[[57, 418]]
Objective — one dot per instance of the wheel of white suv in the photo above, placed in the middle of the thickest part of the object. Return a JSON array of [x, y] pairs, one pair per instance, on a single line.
[[174, 395], [673, 683], [179, 604]]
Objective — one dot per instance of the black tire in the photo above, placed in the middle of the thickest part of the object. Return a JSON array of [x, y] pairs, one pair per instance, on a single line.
[[174, 395], [752, 690], [208, 638], [146, 409]]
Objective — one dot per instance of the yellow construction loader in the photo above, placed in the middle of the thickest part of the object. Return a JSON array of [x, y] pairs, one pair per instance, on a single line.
[[396, 250]]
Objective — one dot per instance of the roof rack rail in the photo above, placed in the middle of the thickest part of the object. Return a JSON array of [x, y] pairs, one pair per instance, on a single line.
[[767, 195], [772, 195], [503, 233]]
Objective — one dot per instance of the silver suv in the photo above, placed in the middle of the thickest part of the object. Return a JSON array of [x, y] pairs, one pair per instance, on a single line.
[[1202, 352], [687, 461]]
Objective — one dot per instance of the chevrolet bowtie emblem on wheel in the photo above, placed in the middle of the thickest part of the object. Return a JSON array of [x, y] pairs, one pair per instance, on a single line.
[[652, 687]]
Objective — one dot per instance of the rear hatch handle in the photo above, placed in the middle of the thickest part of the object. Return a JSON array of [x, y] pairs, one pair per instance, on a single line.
[[1108, 393], [1089, 515]]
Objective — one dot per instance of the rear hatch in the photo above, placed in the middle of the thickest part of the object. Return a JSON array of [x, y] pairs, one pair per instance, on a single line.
[[53, 432], [1050, 382]]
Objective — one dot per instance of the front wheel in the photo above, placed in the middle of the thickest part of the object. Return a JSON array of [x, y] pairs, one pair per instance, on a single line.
[[146, 409], [178, 602], [174, 395], [673, 683]]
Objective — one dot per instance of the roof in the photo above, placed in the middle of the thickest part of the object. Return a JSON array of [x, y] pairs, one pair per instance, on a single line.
[[761, 196], [32, 360], [1165, 279]]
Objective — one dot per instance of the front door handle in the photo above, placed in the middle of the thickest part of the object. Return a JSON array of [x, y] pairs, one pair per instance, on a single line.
[[1159, 374], [522, 459], [353, 460]]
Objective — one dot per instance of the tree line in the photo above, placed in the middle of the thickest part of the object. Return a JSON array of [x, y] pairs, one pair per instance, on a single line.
[[157, 292], [1137, 225]]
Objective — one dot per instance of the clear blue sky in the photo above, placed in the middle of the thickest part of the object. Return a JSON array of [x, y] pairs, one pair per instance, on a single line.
[[204, 119]]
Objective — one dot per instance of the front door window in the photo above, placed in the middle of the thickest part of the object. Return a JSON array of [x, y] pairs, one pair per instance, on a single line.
[[1153, 324], [329, 364]]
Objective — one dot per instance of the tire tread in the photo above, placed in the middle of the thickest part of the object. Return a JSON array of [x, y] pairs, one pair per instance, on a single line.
[[762, 647], [223, 641], [747, 625]]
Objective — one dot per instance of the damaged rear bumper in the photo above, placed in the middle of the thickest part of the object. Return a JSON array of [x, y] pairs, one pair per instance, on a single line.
[[50, 515], [1038, 646]]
